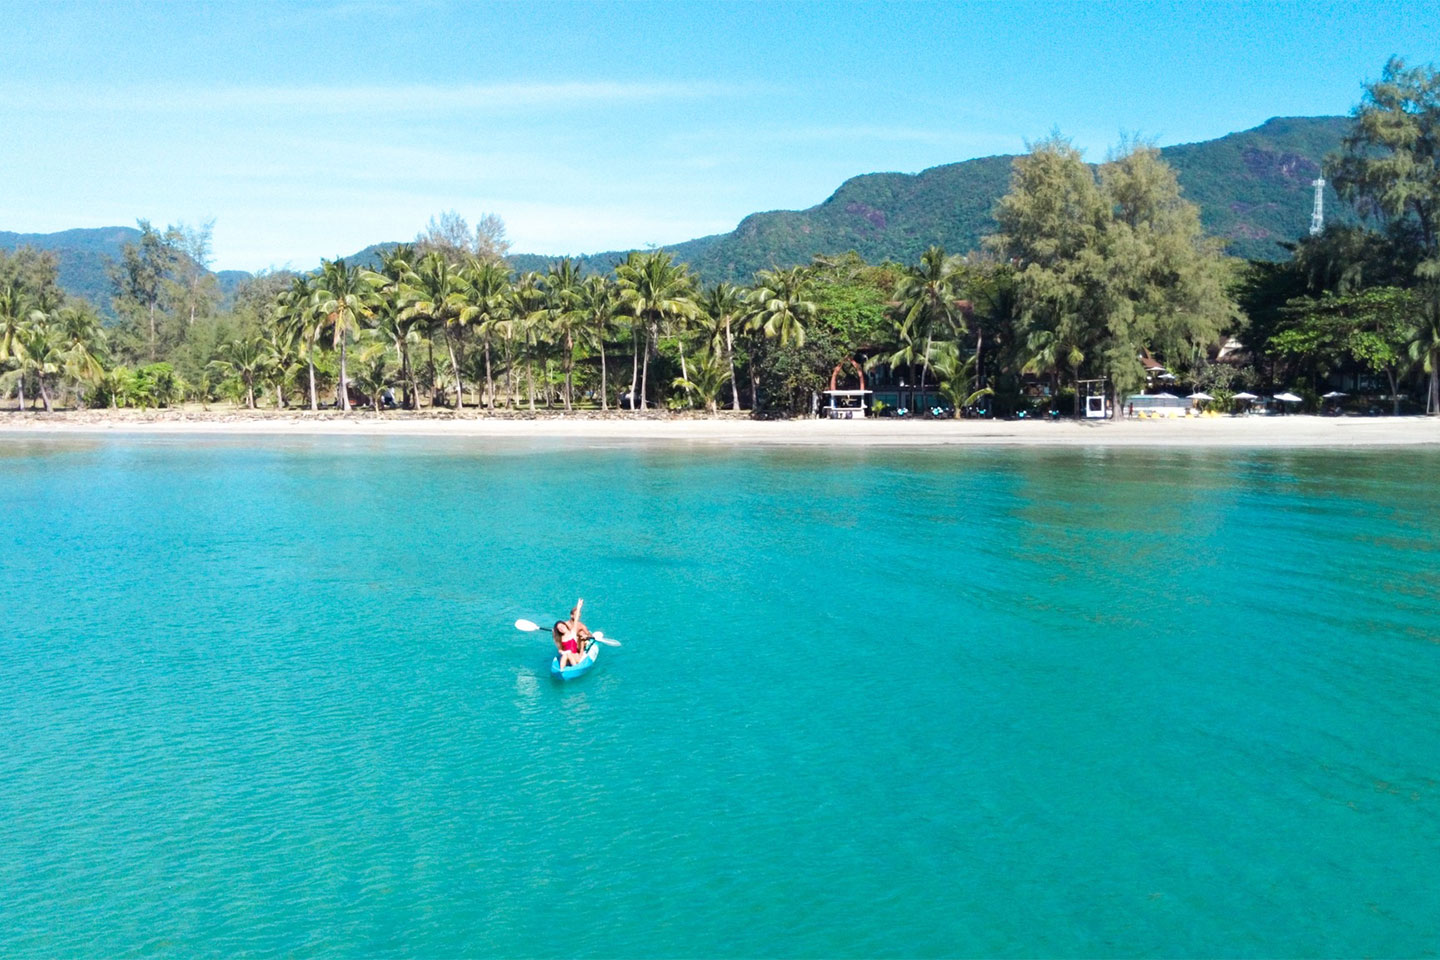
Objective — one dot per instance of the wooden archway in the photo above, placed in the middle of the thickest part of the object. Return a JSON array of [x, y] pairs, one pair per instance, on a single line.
[[835, 374]]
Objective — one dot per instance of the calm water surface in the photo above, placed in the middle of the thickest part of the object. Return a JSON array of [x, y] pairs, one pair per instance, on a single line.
[[265, 698]]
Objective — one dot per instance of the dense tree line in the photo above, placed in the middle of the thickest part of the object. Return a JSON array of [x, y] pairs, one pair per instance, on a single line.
[[1092, 271]]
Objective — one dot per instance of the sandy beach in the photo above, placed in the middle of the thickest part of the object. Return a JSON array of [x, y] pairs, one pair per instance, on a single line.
[[1278, 431]]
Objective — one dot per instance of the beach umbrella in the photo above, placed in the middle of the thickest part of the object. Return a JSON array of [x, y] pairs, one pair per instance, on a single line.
[[1167, 376], [1167, 396], [1288, 398], [1245, 396], [1335, 395], [1200, 395]]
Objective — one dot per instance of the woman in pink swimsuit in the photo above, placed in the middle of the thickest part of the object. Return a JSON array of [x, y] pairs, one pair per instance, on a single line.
[[571, 638]]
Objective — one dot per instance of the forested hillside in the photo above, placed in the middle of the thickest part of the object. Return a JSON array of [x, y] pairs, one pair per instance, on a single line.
[[1253, 189]]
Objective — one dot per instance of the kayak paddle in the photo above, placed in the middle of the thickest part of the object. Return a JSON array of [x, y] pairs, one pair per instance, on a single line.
[[529, 626]]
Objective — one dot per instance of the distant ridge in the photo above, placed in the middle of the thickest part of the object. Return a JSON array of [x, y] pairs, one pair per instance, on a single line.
[[1253, 189]]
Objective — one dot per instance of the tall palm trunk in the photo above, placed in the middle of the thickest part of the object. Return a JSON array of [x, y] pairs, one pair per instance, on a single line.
[[21, 393], [530, 381], [645, 372], [604, 393], [680, 345], [314, 401], [509, 376], [634, 365], [455, 366], [152, 331], [250, 394], [569, 368], [44, 394], [489, 379], [730, 359], [1432, 405], [279, 398], [344, 380]]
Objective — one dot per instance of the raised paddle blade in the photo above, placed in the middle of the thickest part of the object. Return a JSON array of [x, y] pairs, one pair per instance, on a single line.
[[527, 625], [601, 638]]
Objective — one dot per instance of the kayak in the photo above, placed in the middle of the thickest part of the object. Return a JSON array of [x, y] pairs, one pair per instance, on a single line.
[[580, 669]]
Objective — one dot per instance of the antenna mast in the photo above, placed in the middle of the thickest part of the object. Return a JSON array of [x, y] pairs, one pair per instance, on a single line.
[[1317, 216]]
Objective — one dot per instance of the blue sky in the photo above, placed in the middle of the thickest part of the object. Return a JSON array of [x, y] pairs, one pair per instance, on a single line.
[[314, 129]]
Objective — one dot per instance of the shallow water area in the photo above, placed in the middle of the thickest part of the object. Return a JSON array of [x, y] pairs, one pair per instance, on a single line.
[[264, 695]]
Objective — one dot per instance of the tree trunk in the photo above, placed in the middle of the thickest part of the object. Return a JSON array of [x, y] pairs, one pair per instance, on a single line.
[[604, 385], [250, 394], [509, 380], [455, 366], [1394, 395], [314, 401], [279, 398], [1433, 407], [344, 380], [569, 368], [684, 372], [530, 381], [431, 345], [489, 380], [20, 392], [634, 366], [152, 331], [44, 394], [730, 358], [645, 372], [407, 392]]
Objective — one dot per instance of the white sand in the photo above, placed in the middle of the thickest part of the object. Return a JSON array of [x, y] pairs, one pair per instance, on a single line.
[[1274, 431]]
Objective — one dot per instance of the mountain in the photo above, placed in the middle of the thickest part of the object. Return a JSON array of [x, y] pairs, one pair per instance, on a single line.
[[1253, 189], [84, 256]]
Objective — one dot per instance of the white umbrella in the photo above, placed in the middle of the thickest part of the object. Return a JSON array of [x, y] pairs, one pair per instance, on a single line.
[[1245, 396], [1288, 398], [1334, 394], [1200, 395], [1167, 396], [1167, 376]]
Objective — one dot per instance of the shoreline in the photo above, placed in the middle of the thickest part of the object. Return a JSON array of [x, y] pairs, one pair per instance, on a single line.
[[1294, 431]]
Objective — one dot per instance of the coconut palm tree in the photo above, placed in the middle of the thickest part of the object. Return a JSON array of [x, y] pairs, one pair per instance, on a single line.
[[394, 294], [372, 365], [562, 314], [440, 300], [297, 310], [488, 287], [654, 289], [599, 299], [780, 305], [1425, 350], [708, 376], [82, 340], [244, 359], [957, 377], [283, 344], [724, 304], [528, 293], [344, 299], [40, 353], [929, 302], [16, 310]]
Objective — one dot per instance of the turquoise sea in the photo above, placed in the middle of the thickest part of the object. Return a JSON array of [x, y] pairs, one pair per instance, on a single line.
[[264, 697]]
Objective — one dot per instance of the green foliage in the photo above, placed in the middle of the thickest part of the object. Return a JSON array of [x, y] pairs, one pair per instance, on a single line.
[[1108, 268]]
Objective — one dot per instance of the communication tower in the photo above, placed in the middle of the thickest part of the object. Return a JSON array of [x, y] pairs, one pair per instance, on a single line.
[[1317, 216]]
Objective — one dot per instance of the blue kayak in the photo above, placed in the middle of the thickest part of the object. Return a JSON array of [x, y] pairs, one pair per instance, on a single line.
[[580, 669]]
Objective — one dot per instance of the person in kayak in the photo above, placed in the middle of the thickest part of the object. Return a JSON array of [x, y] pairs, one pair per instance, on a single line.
[[567, 644], [572, 637]]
